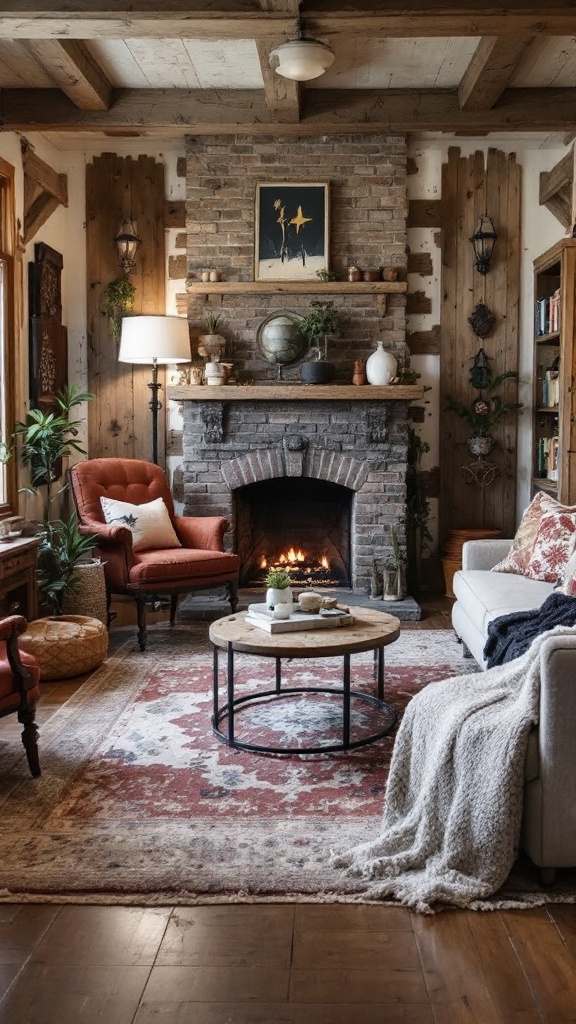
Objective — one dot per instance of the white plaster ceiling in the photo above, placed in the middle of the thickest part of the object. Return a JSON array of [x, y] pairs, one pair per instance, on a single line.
[[415, 63]]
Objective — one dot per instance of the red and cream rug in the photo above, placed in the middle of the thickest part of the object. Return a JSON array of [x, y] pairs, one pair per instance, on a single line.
[[139, 802]]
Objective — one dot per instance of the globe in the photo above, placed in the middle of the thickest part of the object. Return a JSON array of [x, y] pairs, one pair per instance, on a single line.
[[280, 340]]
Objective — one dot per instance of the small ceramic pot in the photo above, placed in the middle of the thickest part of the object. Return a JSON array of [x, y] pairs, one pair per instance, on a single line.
[[275, 596], [354, 274], [317, 372], [389, 274], [372, 275]]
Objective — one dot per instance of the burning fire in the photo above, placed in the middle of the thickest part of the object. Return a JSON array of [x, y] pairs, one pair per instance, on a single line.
[[292, 558]]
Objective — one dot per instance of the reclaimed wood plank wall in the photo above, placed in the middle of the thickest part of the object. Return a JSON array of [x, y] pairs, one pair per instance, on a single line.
[[120, 420], [471, 186]]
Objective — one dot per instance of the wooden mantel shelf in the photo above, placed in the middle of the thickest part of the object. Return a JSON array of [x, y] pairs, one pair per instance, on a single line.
[[297, 287], [294, 392]]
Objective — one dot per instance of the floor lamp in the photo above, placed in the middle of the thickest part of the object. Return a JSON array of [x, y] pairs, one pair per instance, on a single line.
[[156, 340]]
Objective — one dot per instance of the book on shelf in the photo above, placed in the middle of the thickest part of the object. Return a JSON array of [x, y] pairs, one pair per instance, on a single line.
[[547, 319]]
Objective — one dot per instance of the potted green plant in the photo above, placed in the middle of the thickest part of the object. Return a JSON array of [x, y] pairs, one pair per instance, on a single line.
[[212, 344], [323, 320], [46, 439], [279, 589], [119, 298], [487, 409]]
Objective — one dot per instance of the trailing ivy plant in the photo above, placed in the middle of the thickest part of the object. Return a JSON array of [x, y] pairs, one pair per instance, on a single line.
[[119, 298]]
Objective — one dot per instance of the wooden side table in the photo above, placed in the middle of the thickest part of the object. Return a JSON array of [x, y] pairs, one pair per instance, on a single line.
[[18, 593], [372, 631]]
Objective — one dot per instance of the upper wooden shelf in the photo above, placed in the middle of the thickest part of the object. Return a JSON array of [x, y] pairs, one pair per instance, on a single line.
[[297, 287], [294, 392]]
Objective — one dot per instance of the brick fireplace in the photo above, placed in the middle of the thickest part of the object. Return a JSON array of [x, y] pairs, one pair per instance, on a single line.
[[269, 454], [357, 446]]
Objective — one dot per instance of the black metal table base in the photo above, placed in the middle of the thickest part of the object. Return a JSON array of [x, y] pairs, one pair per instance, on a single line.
[[347, 695]]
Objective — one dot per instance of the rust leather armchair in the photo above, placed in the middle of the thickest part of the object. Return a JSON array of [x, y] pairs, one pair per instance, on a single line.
[[19, 685], [201, 562]]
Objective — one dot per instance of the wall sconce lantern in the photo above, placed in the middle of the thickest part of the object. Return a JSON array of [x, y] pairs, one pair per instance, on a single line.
[[483, 242], [127, 243]]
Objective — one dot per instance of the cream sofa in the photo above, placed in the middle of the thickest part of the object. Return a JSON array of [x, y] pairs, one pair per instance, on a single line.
[[549, 819]]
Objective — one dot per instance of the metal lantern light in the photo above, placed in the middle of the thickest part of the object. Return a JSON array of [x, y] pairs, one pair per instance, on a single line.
[[483, 242], [127, 243]]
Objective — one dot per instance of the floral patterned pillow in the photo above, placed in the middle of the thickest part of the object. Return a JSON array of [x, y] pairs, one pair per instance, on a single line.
[[517, 559], [568, 586], [553, 546]]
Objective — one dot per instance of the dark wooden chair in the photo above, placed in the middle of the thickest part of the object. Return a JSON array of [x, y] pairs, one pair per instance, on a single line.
[[19, 685], [199, 563]]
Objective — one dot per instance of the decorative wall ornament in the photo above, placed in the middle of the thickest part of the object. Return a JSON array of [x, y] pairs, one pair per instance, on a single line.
[[481, 473], [48, 355], [212, 416], [295, 443], [481, 320], [376, 426]]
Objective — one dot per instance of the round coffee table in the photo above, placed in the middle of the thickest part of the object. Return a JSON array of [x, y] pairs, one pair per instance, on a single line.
[[371, 631]]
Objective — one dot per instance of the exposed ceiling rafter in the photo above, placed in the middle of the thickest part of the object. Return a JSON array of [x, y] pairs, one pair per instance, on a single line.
[[177, 111], [185, 19], [490, 71], [72, 68]]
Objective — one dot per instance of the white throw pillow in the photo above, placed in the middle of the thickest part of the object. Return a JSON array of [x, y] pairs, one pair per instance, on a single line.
[[149, 524]]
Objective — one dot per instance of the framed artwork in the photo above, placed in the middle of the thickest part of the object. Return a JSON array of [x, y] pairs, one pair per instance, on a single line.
[[45, 286], [291, 231]]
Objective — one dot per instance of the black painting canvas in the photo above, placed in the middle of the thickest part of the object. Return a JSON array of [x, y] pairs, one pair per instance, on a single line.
[[291, 231]]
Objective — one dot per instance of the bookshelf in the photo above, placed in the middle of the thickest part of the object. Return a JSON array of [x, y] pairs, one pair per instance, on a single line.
[[554, 400]]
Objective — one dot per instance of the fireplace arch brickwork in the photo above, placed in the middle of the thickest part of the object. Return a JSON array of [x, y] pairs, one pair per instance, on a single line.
[[359, 445]]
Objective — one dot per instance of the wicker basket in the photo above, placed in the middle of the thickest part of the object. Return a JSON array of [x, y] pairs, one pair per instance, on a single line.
[[88, 596], [65, 645]]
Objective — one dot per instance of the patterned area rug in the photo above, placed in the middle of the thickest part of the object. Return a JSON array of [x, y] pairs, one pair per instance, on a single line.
[[140, 803]]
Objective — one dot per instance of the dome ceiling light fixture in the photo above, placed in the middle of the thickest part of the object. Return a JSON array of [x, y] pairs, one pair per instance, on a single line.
[[301, 59]]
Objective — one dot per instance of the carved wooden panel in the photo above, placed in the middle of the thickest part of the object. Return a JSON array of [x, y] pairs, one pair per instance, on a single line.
[[472, 186], [120, 420]]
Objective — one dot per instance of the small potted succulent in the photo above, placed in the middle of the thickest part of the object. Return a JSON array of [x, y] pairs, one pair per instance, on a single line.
[[279, 589]]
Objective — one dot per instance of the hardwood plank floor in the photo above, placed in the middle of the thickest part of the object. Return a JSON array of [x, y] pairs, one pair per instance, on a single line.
[[282, 964]]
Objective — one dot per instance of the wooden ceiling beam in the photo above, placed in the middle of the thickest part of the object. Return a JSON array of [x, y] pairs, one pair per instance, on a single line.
[[490, 71], [92, 19], [71, 67], [282, 94], [325, 111], [557, 190]]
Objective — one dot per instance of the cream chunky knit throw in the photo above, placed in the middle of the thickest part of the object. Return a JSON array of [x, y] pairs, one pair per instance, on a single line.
[[453, 803]]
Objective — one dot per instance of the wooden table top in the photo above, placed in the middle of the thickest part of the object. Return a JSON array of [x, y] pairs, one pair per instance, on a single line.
[[371, 629]]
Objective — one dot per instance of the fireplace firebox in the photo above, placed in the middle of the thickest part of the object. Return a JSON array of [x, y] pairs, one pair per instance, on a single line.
[[296, 523]]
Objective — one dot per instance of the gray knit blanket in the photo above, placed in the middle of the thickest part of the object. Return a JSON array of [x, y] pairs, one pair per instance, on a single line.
[[453, 805]]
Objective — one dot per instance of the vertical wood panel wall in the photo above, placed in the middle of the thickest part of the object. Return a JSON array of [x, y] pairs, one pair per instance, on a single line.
[[472, 186], [120, 420]]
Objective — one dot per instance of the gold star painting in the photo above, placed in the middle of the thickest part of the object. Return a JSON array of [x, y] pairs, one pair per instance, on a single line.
[[291, 231]]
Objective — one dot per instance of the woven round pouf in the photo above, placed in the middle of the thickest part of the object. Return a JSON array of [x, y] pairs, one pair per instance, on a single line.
[[65, 645]]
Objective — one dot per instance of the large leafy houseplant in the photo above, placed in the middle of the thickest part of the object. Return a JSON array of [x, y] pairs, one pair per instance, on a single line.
[[46, 439]]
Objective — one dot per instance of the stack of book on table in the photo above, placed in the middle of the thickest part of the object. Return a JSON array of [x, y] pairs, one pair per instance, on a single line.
[[261, 616]]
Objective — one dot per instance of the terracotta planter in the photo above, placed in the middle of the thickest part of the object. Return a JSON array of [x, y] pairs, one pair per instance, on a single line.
[[452, 552]]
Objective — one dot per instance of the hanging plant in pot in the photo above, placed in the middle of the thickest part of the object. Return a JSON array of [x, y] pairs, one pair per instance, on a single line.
[[119, 298], [322, 322], [487, 409]]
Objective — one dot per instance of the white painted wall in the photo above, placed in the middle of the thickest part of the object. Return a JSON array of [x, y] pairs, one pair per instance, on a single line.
[[540, 229]]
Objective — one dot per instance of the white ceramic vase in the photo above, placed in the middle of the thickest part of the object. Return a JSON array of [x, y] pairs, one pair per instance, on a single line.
[[276, 596], [381, 366]]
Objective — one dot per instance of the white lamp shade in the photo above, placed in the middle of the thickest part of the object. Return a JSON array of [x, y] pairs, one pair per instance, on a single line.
[[301, 59], [154, 339]]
